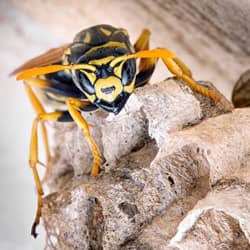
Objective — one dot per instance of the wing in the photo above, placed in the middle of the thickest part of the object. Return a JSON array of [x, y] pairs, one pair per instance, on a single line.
[[50, 57]]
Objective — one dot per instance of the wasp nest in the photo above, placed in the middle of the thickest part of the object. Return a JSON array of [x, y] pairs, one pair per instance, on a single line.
[[175, 176]]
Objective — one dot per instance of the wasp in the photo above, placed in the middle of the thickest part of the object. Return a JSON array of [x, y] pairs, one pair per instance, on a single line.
[[97, 70]]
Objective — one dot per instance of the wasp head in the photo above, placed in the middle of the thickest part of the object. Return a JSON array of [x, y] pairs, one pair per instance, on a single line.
[[108, 87]]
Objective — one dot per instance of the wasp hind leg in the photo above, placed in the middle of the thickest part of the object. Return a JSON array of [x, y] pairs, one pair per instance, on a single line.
[[73, 106], [33, 160], [42, 116]]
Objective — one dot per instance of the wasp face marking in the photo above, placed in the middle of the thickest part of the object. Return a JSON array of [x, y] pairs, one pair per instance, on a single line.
[[106, 32], [108, 87]]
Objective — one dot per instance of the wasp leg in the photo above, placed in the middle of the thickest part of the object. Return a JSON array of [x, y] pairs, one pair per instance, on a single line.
[[39, 109], [179, 69], [73, 106], [175, 66], [147, 65], [33, 160], [142, 42], [54, 87], [183, 66]]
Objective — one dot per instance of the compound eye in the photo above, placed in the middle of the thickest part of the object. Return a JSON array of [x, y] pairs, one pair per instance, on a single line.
[[128, 72], [84, 83]]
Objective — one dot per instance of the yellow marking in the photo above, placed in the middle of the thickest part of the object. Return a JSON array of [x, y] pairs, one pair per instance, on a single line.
[[125, 32], [67, 51], [118, 70], [106, 83], [87, 38], [108, 44], [91, 98], [130, 88], [102, 61], [65, 60], [66, 54], [106, 32], [75, 45], [91, 76]]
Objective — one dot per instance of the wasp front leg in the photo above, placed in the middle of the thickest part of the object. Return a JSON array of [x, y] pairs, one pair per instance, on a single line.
[[73, 106], [146, 65]]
